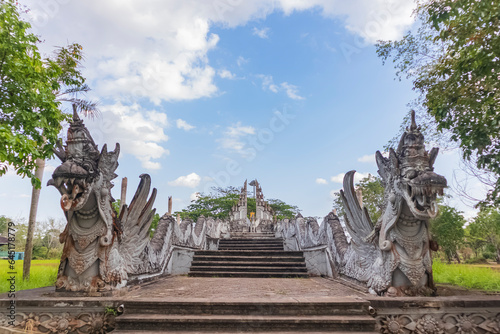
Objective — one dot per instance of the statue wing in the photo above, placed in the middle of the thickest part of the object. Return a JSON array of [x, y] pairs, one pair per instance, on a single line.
[[358, 224], [135, 222]]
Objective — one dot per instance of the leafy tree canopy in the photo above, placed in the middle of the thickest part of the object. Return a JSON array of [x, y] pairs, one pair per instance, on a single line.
[[453, 61], [31, 90], [4, 224], [447, 230], [485, 230], [373, 197], [218, 204]]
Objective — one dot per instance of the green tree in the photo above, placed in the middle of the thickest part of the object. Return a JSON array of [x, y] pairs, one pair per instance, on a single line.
[[373, 197], [47, 237], [31, 91], [475, 237], [486, 226], [218, 204], [4, 224], [283, 210], [452, 60], [30, 119], [447, 230]]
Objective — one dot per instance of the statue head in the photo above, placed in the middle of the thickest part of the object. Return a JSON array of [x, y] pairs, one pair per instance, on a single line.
[[409, 178]]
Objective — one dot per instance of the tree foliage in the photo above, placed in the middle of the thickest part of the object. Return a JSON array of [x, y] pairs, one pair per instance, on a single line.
[[484, 230], [373, 197], [218, 204], [453, 61], [31, 91], [4, 223], [283, 210], [447, 230]]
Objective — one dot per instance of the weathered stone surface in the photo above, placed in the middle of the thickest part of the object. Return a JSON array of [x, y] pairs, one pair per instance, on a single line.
[[394, 256], [103, 250]]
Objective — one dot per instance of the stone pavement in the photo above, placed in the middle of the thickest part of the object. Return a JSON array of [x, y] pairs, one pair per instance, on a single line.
[[232, 288]]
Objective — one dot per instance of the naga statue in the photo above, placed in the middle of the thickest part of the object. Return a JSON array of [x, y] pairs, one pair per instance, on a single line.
[[393, 256], [101, 249]]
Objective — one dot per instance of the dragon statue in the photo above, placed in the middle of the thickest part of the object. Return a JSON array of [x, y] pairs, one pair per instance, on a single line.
[[393, 256], [101, 249]]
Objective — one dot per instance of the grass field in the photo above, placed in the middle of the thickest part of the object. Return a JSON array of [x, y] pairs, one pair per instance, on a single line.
[[43, 273], [468, 276]]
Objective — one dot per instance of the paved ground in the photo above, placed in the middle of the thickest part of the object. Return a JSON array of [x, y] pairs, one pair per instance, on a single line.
[[219, 288], [226, 288]]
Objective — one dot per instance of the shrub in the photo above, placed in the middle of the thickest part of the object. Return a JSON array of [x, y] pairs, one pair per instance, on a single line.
[[477, 260], [489, 255]]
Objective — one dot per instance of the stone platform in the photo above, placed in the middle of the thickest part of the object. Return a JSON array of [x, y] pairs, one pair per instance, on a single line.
[[313, 304]]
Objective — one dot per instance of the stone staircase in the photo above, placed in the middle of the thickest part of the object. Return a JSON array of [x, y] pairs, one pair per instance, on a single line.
[[249, 255], [331, 315]]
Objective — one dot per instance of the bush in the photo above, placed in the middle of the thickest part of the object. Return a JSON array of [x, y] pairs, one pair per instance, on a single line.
[[39, 252], [477, 260], [55, 253], [489, 255]]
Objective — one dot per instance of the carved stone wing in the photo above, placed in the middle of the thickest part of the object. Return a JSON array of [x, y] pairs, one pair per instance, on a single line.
[[136, 220], [358, 224]]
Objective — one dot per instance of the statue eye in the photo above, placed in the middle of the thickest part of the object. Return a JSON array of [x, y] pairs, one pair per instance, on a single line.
[[411, 174]]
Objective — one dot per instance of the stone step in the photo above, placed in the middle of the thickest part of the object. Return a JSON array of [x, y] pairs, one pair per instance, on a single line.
[[219, 332], [253, 235], [259, 248], [248, 253], [331, 306], [261, 269], [248, 263], [249, 244], [246, 258], [249, 274], [241, 244], [245, 323], [250, 241]]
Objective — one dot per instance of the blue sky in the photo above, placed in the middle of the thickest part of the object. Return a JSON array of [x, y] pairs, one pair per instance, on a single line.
[[204, 93]]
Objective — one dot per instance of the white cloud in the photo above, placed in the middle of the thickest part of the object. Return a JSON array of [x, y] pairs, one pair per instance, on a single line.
[[290, 90], [233, 138], [262, 33], [242, 61], [268, 83], [339, 178], [191, 181], [182, 124], [367, 158], [370, 19], [238, 130], [158, 49], [226, 74], [320, 180], [139, 132]]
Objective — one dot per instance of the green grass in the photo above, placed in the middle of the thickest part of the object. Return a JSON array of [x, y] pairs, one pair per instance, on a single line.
[[468, 276], [43, 273]]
